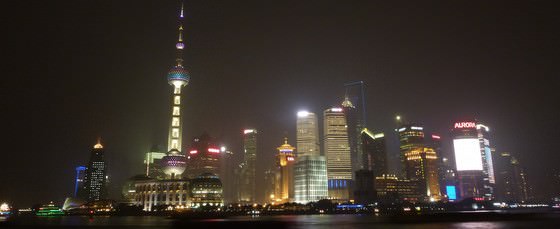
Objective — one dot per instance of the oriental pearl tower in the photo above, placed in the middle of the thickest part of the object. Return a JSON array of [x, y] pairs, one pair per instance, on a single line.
[[178, 77]]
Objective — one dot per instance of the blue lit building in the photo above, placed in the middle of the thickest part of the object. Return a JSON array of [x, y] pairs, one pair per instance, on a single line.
[[79, 186]]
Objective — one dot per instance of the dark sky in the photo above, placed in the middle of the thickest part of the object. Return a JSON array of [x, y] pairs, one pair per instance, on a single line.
[[75, 70]]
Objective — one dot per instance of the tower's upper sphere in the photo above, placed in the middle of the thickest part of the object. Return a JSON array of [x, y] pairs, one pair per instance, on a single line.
[[173, 164], [178, 75]]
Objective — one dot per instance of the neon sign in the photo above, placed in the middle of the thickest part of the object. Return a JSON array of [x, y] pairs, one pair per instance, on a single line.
[[462, 125], [213, 150]]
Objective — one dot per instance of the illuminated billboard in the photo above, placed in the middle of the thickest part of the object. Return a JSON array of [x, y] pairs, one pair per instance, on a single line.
[[451, 192], [467, 154]]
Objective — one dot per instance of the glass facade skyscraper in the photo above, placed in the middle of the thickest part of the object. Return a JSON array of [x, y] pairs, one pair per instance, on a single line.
[[247, 183], [310, 170]]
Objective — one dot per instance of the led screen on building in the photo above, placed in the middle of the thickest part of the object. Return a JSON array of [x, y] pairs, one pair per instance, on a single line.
[[467, 154], [451, 192]]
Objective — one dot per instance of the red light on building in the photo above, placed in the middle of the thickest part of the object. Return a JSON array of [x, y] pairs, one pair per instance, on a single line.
[[193, 152], [479, 199], [461, 125], [435, 136], [213, 150]]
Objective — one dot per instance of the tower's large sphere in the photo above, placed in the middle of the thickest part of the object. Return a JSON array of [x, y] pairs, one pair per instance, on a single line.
[[178, 75], [174, 164]]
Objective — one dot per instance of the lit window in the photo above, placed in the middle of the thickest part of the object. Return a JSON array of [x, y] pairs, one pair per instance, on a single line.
[[174, 143], [177, 100], [176, 111], [175, 122], [175, 132]]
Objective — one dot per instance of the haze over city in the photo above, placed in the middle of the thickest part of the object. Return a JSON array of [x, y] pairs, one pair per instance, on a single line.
[[75, 72]]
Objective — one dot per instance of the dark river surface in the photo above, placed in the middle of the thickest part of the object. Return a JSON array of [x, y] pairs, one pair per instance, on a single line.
[[460, 221]]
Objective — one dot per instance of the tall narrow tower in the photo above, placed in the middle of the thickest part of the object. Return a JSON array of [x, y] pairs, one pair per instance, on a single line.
[[178, 77]]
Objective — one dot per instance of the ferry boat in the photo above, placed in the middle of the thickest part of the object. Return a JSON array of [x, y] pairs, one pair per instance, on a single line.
[[5, 209], [49, 210]]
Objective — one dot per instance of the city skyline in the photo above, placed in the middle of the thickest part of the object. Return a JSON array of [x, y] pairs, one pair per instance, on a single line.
[[63, 126]]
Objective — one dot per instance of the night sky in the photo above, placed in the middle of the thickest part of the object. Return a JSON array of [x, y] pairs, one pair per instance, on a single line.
[[73, 71]]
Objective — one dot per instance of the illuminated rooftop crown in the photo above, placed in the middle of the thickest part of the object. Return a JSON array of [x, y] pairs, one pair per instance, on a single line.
[[286, 148]]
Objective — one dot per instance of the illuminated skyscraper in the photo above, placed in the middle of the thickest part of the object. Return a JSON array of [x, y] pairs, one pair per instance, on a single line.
[[203, 157], [410, 136], [487, 163], [419, 161], [310, 175], [178, 77], [79, 187], [374, 157], [473, 157], [307, 134], [247, 184], [96, 175], [284, 186], [337, 151], [422, 165]]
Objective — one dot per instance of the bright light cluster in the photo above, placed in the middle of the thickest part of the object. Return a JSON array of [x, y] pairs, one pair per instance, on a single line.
[[467, 154]]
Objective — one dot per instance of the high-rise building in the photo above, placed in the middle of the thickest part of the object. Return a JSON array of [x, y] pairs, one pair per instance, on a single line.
[[487, 163], [512, 187], [203, 157], [422, 165], [473, 158], [79, 187], [270, 185], [354, 106], [310, 179], [307, 134], [152, 161], [375, 152], [374, 163], [310, 175], [419, 162], [247, 184], [174, 163], [446, 168], [337, 151], [96, 174], [410, 136], [284, 184], [228, 175]]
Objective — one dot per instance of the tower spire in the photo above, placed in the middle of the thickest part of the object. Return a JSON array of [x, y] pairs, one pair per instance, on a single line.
[[180, 45]]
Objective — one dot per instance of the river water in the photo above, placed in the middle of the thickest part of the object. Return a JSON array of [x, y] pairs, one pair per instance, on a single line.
[[272, 222]]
